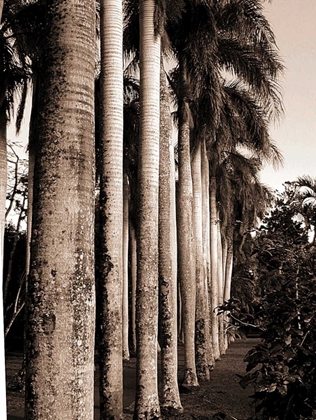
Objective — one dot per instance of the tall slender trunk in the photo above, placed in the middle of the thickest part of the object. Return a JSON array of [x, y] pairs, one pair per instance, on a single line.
[[201, 324], [147, 402], [207, 247], [224, 265], [214, 268], [224, 258], [133, 259], [111, 197], [30, 180], [220, 288], [125, 268], [168, 337], [186, 250], [3, 192], [228, 280]]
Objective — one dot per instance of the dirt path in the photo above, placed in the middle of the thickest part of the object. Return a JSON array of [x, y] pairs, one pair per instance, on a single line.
[[222, 394]]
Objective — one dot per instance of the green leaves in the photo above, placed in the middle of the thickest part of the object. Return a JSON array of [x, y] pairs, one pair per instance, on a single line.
[[281, 266]]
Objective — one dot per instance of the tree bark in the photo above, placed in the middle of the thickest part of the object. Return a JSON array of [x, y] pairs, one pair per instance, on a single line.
[[186, 250], [214, 268], [220, 288], [61, 294], [133, 259], [126, 354], [147, 402], [111, 195], [168, 337], [201, 322], [228, 280], [207, 247], [30, 180]]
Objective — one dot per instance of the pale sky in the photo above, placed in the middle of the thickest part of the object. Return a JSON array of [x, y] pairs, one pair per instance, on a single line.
[[294, 25]]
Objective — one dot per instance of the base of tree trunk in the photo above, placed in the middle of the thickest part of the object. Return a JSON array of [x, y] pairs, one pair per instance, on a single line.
[[170, 408], [190, 381]]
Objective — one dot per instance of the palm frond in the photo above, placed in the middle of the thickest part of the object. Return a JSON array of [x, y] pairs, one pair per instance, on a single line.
[[244, 62]]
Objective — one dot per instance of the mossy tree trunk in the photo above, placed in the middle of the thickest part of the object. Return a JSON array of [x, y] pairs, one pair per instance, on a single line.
[[206, 247], [61, 293], [147, 402], [168, 336], [186, 247], [111, 216], [201, 319]]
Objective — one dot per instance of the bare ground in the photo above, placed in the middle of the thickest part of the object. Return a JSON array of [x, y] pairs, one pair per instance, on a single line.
[[220, 398]]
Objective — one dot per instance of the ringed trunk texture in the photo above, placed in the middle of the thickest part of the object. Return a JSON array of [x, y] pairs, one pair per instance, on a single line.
[[61, 293], [201, 323], [111, 216], [147, 401], [168, 337], [186, 249], [3, 192], [214, 269]]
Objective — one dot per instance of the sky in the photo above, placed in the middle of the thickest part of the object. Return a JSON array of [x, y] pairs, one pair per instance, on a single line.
[[293, 23]]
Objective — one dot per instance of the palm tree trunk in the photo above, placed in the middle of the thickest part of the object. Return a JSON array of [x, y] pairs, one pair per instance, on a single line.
[[3, 192], [220, 288], [133, 259], [228, 276], [186, 250], [30, 180], [224, 258], [168, 337], [207, 247], [111, 197], [214, 268], [61, 294], [147, 402], [126, 355], [30, 193], [201, 324]]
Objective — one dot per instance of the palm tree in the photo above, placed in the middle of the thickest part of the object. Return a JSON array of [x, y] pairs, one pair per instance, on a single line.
[[202, 341], [168, 334], [244, 42], [192, 37], [61, 299], [111, 206], [306, 196], [147, 402]]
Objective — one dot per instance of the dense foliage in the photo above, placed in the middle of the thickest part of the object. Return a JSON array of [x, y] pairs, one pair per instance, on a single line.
[[282, 272]]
